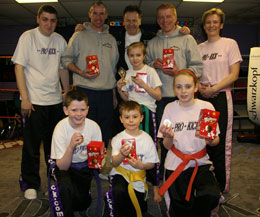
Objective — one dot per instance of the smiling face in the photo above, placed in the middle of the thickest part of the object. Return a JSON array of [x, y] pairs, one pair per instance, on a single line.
[[77, 112], [166, 18], [97, 15], [47, 23], [131, 120], [213, 25], [136, 57], [132, 22], [184, 88]]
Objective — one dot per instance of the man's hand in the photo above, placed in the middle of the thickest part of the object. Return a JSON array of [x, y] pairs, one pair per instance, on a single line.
[[26, 107], [158, 63], [185, 30], [86, 74], [79, 27], [171, 71]]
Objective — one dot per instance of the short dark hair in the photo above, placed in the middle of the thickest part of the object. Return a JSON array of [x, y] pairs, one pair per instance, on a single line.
[[129, 106], [132, 8], [47, 8], [97, 3], [77, 95]]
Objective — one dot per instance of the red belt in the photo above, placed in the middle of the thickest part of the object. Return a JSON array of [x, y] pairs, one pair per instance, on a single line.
[[186, 159]]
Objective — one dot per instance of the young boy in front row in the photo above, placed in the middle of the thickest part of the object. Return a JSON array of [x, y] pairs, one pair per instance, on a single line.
[[69, 148], [187, 157], [129, 89], [129, 187]]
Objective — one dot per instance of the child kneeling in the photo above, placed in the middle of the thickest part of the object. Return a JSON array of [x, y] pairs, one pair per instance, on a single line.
[[192, 186], [69, 148], [129, 188]]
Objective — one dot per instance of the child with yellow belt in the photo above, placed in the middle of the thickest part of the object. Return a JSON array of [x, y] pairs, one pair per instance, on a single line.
[[129, 187]]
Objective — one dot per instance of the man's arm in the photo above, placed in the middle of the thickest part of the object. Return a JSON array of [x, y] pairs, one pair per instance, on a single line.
[[84, 73], [26, 105], [64, 76], [69, 58]]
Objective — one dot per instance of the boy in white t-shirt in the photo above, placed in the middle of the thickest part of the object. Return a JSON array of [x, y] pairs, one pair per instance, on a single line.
[[129, 187], [69, 147]]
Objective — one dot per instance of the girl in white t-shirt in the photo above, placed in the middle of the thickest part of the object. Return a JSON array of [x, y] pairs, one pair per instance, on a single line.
[[142, 85], [186, 198]]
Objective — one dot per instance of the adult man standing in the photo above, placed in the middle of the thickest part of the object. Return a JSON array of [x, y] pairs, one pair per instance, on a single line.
[[38, 73], [186, 55], [99, 87], [132, 33]]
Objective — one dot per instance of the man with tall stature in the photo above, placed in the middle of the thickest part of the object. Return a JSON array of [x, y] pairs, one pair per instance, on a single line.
[[186, 55], [99, 87], [38, 72]]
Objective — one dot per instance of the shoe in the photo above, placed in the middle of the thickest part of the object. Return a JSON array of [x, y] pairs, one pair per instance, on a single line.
[[221, 199], [30, 194], [103, 176]]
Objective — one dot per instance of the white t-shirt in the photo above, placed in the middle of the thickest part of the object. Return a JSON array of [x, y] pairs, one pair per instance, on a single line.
[[153, 81], [40, 55], [129, 39], [184, 121], [217, 58], [145, 150], [62, 136]]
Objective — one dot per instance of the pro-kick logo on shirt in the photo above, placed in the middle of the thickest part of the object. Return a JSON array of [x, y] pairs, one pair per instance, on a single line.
[[212, 56], [48, 51], [180, 126]]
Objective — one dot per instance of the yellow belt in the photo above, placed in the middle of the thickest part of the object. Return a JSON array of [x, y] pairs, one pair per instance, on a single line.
[[134, 177]]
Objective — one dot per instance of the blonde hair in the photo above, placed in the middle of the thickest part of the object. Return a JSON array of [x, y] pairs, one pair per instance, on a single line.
[[212, 11], [167, 6], [135, 45]]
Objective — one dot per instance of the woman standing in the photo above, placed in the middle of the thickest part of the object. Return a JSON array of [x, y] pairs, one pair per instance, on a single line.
[[221, 59]]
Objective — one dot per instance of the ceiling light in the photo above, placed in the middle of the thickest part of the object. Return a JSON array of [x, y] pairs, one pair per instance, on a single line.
[[35, 1], [205, 1]]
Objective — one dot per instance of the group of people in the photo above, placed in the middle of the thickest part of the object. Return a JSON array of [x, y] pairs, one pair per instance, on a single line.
[[196, 170]]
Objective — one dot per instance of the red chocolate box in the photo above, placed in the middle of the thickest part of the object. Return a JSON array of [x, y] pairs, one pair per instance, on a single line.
[[96, 154], [168, 58], [92, 62], [132, 143], [143, 76], [208, 122]]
